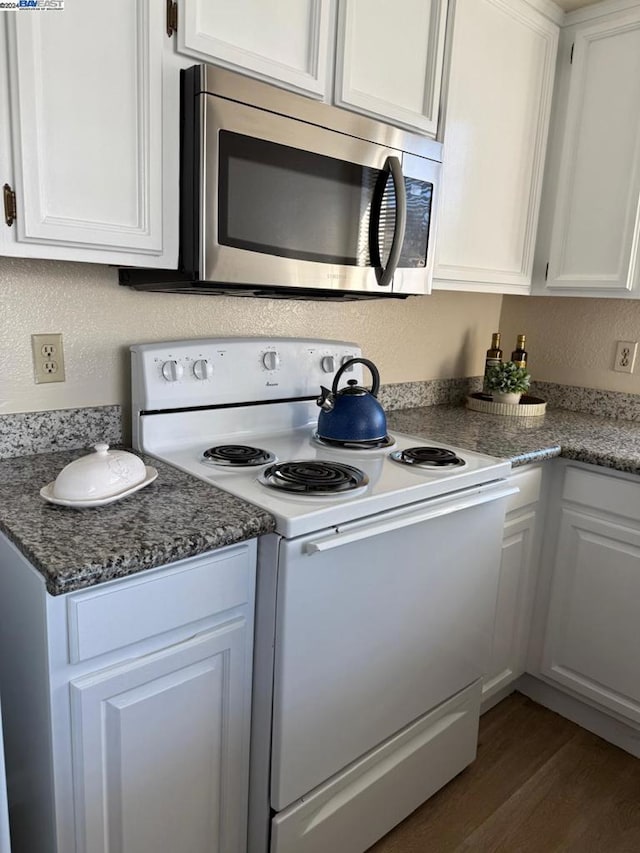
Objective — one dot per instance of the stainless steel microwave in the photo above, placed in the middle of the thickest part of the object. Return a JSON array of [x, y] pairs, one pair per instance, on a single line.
[[284, 196]]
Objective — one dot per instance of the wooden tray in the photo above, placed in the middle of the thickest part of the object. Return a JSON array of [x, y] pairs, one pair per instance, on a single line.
[[527, 407]]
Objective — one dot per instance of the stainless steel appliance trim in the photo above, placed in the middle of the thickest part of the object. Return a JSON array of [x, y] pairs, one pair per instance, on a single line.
[[262, 96]]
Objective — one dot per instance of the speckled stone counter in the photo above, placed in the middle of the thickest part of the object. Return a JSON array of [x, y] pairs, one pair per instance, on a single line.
[[179, 516], [573, 435], [175, 517]]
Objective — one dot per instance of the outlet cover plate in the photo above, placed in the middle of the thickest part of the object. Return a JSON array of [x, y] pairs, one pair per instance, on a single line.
[[48, 358], [625, 356]]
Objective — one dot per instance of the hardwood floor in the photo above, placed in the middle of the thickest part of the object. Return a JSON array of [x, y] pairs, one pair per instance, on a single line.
[[540, 784]]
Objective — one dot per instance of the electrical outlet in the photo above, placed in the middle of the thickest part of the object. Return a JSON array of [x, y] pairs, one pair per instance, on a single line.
[[625, 356], [48, 358]]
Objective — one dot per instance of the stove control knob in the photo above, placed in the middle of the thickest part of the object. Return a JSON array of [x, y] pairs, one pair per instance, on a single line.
[[271, 360], [328, 364], [172, 371], [202, 369], [343, 360]]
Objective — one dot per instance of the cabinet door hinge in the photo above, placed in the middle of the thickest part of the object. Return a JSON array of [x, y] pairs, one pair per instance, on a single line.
[[546, 272], [571, 55], [10, 211], [172, 17]]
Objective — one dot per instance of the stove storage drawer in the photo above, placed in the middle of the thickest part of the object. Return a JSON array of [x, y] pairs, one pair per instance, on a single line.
[[112, 616], [359, 805]]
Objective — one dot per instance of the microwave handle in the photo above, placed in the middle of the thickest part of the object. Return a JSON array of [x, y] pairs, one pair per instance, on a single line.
[[393, 165]]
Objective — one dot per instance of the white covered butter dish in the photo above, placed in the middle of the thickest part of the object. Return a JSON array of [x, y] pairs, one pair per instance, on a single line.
[[99, 475]]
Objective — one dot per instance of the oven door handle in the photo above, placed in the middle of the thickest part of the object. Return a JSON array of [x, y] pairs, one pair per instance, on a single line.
[[403, 518], [394, 166]]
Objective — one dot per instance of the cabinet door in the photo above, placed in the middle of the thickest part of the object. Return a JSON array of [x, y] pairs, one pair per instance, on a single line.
[[512, 606], [286, 42], [592, 642], [495, 131], [389, 60], [596, 216], [86, 110], [161, 749]]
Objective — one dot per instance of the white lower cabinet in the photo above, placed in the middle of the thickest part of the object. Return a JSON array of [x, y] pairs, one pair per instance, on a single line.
[[516, 584], [128, 707], [156, 726], [591, 642]]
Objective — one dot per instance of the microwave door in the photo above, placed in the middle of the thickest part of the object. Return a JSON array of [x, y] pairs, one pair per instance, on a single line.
[[286, 203], [414, 270]]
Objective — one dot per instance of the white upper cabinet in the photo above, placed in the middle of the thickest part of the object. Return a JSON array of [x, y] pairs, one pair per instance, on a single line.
[[84, 94], [498, 102], [389, 60], [286, 42], [591, 233]]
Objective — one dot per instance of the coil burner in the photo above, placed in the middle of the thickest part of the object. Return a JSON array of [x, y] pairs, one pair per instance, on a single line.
[[428, 457], [237, 456], [385, 443], [314, 477]]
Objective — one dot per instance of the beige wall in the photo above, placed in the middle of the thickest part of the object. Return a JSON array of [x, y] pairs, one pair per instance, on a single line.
[[573, 340], [570, 340], [441, 336]]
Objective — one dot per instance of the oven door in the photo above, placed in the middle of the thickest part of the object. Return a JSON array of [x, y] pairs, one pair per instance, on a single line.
[[287, 203], [378, 622]]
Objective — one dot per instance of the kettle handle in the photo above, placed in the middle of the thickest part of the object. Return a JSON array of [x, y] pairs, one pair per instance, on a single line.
[[375, 387]]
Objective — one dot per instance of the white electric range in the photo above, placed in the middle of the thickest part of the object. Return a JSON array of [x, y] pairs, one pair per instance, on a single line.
[[375, 595]]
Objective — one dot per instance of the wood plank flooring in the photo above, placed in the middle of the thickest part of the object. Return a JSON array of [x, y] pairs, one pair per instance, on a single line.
[[540, 784]]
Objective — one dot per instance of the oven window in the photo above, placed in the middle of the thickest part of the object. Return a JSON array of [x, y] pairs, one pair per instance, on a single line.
[[280, 200]]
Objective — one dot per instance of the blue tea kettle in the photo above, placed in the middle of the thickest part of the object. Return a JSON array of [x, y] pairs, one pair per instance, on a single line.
[[353, 413]]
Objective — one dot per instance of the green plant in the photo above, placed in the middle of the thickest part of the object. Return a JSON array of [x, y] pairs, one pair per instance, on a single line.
[[507, 378]]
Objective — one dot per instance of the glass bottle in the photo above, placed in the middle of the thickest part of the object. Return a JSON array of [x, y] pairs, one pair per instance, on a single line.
[[519, 355], [494, 355]]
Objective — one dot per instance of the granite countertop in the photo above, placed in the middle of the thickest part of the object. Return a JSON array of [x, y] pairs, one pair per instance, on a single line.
[[180, 516], [177, 516], [559, 432]]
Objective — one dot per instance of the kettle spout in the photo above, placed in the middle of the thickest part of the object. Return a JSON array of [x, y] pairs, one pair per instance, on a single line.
[[326, 400]]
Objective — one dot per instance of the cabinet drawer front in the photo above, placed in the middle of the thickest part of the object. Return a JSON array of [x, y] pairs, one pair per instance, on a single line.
[[115, 616], [528, 482], [361, 804], [603, 492]]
